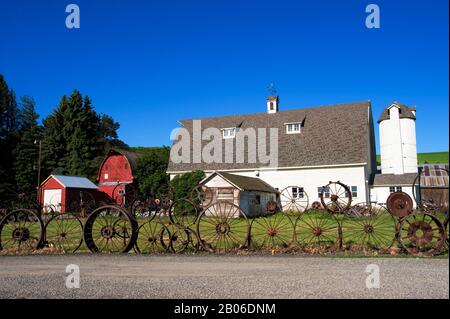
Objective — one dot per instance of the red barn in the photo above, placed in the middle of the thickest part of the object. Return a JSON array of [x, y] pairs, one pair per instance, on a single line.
[[115, 175], [64, 193]]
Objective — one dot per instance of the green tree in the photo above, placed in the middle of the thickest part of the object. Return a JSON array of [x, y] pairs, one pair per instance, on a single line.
[[151, 171], [26, 151], [183, 184], [8, 135]]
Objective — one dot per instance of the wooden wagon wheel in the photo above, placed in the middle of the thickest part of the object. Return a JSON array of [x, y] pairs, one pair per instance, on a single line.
[[223, 227], [110, 229], [293, 203], [317, 229], [336, 197], [151, 238], [421, 234], [21, 230], [271, 232], [183, 212], [201, 196], [369, 225], [427, 203], [64, 231]]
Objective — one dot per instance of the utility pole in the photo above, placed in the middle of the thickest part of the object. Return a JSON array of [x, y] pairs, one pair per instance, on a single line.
[[39, 168]]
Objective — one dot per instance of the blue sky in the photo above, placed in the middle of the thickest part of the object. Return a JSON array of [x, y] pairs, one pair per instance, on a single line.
[[151, 63]]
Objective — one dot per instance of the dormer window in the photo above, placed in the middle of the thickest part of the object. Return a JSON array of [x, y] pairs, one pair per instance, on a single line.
[[293, 128], [229, 132]]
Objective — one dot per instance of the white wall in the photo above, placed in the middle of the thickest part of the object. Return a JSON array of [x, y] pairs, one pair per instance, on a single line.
[[312, 178], [379, 194]]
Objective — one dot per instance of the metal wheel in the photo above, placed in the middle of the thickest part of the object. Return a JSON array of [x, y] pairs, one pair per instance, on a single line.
[[183, 213], [64, 231], [421, 234], [369, 225], [181, 239], [150, 239], [126, 197], [317, 229], [21, 231], [144, 209], [293, 202], [427, 199], [399, 204], [223, 227], [272, 231], [110, 229], [201, 196], [336, 197], [84, 204]]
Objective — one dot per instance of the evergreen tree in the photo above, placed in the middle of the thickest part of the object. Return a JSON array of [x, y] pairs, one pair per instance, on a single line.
[[26, 151], [8, 135]]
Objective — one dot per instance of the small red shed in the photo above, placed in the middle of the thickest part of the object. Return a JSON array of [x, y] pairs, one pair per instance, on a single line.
[[61, 190], [115, 175]]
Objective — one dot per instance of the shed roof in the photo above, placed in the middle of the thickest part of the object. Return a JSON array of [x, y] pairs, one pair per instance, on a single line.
[[244, 183], [394, 179], [73, 181]]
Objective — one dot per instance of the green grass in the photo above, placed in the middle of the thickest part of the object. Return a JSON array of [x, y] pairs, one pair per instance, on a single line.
[[430, 158]]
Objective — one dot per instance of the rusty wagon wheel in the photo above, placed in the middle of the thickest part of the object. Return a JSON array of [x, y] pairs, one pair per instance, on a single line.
[[421, 234], [445, 224], [83, 205], [150, 239], [427, 202], [336, 197], [144, 209], [317, 230], [110, 229], [223, 227], [272, 231], [201, 196], [293, 203], [21, 230], [181, 239], [127, 198], [369, 225], [64, 231], [271, 206], [183, 212], [399, 204]]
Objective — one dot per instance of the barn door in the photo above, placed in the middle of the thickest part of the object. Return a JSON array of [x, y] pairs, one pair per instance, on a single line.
[[52, 197]]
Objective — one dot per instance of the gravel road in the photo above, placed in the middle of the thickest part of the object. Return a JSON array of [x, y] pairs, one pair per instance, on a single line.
[[211, 276]]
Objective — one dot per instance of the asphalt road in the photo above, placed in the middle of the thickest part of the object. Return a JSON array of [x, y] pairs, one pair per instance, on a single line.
[[211, 276]]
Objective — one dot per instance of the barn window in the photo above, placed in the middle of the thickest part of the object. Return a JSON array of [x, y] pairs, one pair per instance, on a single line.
[[271, 106], [354, 190], [229, 132], [326, 191], [298, 192], [394, 189], [106, 176], [257, 199], [293, 128]]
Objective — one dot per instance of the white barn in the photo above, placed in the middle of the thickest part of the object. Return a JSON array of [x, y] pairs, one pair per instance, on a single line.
[[317, 145]]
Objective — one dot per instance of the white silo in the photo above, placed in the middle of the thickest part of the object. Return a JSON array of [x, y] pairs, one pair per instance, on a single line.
[[398, 148]]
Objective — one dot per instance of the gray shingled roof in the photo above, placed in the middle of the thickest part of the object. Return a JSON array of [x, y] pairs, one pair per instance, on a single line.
[[406, 112], [330, 135], [246, 183], [394, 180]]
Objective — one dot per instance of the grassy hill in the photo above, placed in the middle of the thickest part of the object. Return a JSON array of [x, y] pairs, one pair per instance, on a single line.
[[430, 158]]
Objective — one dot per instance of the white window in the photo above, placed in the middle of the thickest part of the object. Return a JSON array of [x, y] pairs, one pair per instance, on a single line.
[[106, 175], [229, 132], [326, 191], [293, 128], [354, 190], [394, 189], [298, 192]]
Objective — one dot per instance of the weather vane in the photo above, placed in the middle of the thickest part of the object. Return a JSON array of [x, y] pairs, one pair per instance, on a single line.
[[271, 89]]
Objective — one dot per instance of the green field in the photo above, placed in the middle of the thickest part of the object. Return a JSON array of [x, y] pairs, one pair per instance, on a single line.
[[429, 158]]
